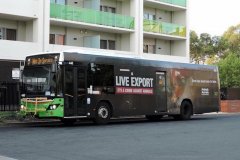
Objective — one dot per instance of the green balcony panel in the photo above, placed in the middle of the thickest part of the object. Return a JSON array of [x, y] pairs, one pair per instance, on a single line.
[[164, 28], [181, 3], [78, 14]]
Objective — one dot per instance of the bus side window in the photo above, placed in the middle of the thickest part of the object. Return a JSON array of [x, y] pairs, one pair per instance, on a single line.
[[101, 77], [69, 82], [81, 82]]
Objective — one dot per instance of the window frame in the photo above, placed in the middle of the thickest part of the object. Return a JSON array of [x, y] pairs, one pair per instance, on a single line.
[[55, 39], [109, 9], [108, 45], [148, 47]]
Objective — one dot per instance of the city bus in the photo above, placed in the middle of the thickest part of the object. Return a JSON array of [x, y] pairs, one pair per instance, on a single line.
[[73, 84]]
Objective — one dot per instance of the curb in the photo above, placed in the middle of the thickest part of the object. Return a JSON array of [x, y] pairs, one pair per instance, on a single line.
[[17, 122]]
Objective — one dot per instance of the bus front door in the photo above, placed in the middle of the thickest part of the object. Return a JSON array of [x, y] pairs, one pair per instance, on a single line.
[[75, 90], [161, 91]]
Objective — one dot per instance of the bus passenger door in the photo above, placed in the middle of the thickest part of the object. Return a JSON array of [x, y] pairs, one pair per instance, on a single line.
[[74, 90], [81, 90], [161, 91]]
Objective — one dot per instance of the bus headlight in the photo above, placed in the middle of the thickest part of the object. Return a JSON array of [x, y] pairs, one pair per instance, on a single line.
[[52, 107], [22, 107]]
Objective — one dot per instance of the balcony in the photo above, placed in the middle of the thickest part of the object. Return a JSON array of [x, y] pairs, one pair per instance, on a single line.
[[181, 3], [85, 15], [164, 28]]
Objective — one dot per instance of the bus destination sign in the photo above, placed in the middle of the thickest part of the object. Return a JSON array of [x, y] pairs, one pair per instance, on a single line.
[[40, 61]]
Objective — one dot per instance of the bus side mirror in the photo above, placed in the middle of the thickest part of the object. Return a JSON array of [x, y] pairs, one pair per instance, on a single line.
[[54, 68]]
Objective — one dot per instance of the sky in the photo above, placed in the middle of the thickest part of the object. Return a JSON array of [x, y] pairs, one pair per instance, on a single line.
[[213, 16]]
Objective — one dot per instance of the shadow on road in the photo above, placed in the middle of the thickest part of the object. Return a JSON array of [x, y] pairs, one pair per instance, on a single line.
[[120, 121], [124, 121]]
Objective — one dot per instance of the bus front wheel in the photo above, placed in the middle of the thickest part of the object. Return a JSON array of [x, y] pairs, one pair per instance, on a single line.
[[103, 113]]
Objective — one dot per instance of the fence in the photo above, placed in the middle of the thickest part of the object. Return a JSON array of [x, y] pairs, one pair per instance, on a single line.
[[230, 93], [9, 96]]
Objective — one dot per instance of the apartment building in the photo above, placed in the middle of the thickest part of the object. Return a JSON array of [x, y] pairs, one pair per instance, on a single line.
[[153, 29]]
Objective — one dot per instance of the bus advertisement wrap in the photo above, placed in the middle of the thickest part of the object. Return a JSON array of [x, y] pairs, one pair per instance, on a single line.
[[134, 85], [73, 85]]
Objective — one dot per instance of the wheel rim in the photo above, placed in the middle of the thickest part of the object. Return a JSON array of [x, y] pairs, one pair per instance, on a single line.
[[103, 112]]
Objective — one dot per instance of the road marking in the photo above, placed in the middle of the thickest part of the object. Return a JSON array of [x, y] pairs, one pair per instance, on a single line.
[[6, 158]]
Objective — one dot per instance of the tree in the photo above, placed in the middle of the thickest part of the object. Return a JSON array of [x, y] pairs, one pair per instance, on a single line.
[[195, 47], [221, 50], [229, 71], [203, 47], [208, 49], [232, 38], [220, 46]]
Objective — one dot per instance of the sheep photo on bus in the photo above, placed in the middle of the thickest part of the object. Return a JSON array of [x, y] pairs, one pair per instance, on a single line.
[[72, 85]]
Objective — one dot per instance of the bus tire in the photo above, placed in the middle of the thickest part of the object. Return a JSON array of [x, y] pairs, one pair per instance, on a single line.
[[154, 118], [68, 122], [103, 113], [186, 111]]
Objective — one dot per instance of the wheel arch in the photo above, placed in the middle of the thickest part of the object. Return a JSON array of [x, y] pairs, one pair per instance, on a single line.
[[109, 104], [189, 101]]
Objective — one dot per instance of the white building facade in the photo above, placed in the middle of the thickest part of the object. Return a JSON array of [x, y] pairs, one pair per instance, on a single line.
[[153, 29]]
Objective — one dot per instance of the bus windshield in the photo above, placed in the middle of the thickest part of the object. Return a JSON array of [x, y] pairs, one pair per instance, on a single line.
[[39, 80]]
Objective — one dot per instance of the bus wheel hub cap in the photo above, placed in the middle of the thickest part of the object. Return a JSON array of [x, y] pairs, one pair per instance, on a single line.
[[103, 112]]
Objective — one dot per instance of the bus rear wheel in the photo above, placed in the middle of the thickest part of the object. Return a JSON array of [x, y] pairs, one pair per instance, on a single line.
[[185, 112], [103, 113]]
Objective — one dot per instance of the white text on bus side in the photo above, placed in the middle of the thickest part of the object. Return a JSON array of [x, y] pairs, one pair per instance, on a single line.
[[134, 81]]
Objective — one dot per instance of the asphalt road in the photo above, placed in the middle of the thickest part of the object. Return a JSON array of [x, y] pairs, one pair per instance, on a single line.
[[205, 137]]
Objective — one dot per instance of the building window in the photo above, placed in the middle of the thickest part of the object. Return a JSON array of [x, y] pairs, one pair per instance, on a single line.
[[107, 9], [108, 44], [57, 39], [8, 34], [149, 48], [111, 45], [103, 44], [11, 34], [63, 2], [149, 16]]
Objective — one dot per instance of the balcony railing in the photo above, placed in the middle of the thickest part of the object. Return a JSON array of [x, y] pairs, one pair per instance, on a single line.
[[78, 14], [164, 28], [174, 2]]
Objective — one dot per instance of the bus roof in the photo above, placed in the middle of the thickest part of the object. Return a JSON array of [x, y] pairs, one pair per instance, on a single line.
[[128, 59]]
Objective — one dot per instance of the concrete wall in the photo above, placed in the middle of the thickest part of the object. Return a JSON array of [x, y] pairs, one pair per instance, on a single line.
[[29, 31], [17, 50], [163, 47], [179, 18], [179, 48], [75, 37], [125, 42], [77, 3], [23, 8]]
